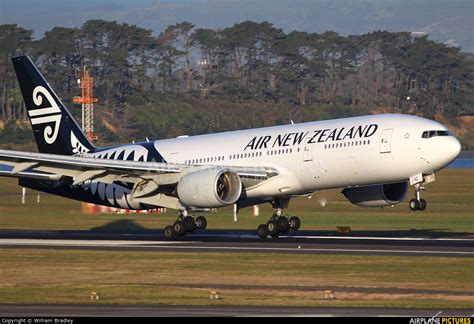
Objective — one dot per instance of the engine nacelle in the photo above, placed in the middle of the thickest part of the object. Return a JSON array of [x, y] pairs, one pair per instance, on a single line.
[[213, 187], [377, 195]]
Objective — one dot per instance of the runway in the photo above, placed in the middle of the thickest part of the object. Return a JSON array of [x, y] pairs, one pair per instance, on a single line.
[[303, 242], [221, 311]]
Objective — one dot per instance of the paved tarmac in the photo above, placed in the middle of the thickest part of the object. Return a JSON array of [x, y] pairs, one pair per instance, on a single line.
[[302, 242]]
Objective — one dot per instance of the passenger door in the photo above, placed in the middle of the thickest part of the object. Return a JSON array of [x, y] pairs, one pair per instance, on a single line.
[[385, 141]]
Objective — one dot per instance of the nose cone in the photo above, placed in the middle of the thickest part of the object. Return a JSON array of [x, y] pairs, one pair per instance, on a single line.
[[453, 148], [440, 151], [448, 149]]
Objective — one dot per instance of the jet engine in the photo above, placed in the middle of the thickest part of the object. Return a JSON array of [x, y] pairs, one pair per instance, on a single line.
[[213, 187], [377, 195]]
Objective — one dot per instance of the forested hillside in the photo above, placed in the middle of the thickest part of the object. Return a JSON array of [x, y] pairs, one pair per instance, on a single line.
[[190, 80]]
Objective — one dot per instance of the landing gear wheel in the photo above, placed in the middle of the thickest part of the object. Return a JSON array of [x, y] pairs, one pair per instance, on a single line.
[[262, 231], [179, 228], [169, 233], [189, 224], [283, 224], [273, 227], [415, 204], [295, 223], [201, 223], [422, 204]]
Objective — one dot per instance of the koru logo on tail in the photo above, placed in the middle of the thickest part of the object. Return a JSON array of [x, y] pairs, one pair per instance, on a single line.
[[47, 115]]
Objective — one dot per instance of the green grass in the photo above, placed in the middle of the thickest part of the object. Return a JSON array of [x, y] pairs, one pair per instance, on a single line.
[[68, 276]]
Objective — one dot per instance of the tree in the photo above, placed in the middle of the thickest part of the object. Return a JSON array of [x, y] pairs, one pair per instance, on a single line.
[[14, 40]]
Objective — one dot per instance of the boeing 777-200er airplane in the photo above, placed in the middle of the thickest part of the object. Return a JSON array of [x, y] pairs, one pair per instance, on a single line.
[[373, 158]]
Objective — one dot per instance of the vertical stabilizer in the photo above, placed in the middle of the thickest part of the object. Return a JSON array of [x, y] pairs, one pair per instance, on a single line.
[[55, 129]]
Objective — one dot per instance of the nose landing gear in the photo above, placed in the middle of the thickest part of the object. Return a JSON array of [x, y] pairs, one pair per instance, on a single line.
[[418, 203]]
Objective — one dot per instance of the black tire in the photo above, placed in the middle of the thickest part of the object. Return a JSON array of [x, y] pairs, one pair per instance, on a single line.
[[283, 224], [422, 204], [273, 227], [262, 231], [414, 204], [295, 223], [169, 233], [201, 223], [179, 228], [189, 224]]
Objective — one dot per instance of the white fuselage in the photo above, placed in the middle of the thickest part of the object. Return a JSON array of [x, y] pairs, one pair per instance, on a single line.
[[319, 155]]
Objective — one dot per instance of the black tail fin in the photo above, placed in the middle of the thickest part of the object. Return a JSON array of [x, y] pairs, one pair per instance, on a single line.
[[55, 129]]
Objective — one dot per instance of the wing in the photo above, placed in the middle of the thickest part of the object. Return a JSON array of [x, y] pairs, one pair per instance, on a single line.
[[81, 169]]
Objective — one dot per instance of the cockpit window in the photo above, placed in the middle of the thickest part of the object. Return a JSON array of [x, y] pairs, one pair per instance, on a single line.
[[433, 133]]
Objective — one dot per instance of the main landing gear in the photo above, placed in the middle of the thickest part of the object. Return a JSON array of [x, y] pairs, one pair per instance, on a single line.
[[418, 203], [277, 224], [185, 224]]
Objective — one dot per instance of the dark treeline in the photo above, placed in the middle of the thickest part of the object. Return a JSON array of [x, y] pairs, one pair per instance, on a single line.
[[246, 63]]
